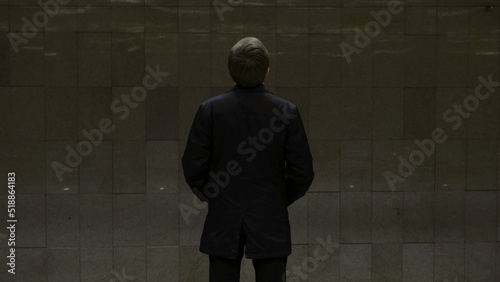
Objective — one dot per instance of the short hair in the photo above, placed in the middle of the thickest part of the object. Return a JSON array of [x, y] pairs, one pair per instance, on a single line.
[[248, 62]]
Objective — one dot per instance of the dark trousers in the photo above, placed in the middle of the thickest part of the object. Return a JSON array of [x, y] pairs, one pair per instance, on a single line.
[[228, 270]]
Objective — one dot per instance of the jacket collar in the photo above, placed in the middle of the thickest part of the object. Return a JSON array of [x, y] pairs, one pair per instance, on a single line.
[[258, 88]]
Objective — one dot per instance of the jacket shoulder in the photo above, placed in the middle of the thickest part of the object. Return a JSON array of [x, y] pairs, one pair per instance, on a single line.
[[230, 95]]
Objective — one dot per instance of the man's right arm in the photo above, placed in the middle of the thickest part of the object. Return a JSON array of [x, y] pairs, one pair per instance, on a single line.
[[298, 159]]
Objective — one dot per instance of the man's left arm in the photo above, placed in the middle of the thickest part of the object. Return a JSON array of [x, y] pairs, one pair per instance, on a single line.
[[196, 158]]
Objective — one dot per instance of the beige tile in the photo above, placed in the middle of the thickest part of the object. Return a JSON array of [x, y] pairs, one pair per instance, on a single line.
[[388, 113], [449, 261], [327, 260], [484, 114], [420, 61], [94, 112], [95, 264], [481, 165], [28, 161], [162, 114], [129, 222], [64, 20], [452, 61], [452, 2], [127, 2], [129, 165], [61, 113], [292, 60], [128, 106], [61, 58], [194, 19], [127, 55], [162, 158], [418, 259], [483, 57], [324, 60], [63, 221], [193, 61], [357, 67], [449, 216], [420, 106], [418, 217], [61, 167], [63, 264], [355, 217], [96, 172], [94, 18], [5, 47], [96, 221], [163, 263], [129, 262], [355, 262], [31, 264], [448, 117], [326, 163], [354, 17], [421, 20], [480, 216], [482, 21], [292, 20], [387, 262], [323, 217], [163, 220], [243, 19], [324, 113], [127, 19], [94, 59], [27, 64], [325, 3], [324, 20], [356, 113], [388, 60], [34, 225], [356, 165], [451, 158], [161, 19], [387, 217], [29, 121], [452, 20], [161, 51], [480, 261], [193, 264]]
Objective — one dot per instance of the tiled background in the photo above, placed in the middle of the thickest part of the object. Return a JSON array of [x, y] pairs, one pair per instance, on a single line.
[[119, 209]]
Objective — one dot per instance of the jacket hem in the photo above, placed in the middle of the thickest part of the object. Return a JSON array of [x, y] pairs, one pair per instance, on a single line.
[[246, 255]]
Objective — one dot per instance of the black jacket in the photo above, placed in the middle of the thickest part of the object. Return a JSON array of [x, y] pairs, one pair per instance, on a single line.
[[247, 155]]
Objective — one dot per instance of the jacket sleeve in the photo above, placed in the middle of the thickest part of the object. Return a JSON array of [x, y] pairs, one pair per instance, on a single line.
[[197, 154], [298, 159]]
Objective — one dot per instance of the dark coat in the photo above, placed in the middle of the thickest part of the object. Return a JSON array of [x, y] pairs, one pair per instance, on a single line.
[[247, 155]]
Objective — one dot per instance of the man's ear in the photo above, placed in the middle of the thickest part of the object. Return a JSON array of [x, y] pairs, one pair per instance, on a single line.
[[267, 71]]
